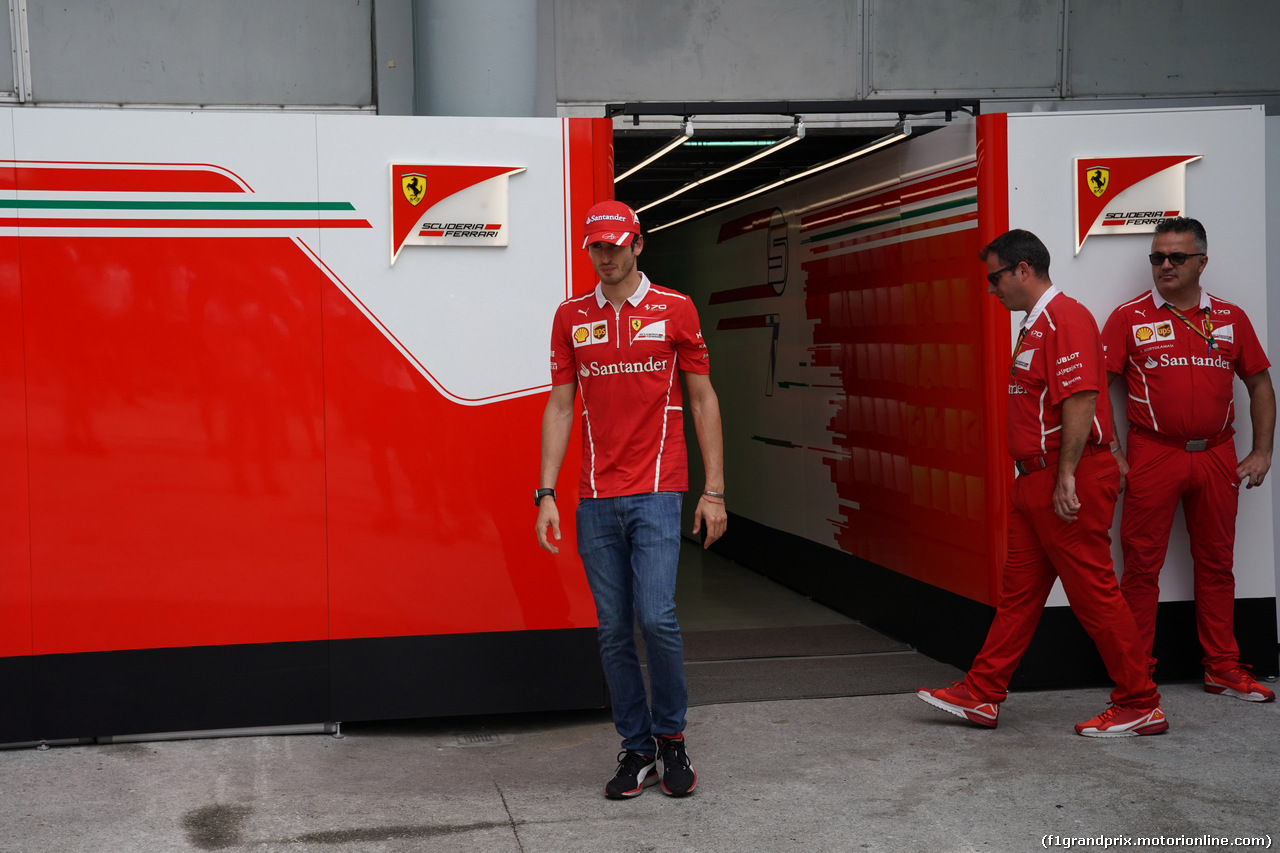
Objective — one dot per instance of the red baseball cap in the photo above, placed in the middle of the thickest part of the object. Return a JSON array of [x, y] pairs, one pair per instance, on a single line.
[[611, 222]]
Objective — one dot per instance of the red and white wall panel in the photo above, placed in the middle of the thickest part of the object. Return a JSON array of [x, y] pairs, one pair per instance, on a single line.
[[250, 462]]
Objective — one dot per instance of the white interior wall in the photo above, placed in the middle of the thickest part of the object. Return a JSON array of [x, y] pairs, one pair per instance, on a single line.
[[1273, 280]]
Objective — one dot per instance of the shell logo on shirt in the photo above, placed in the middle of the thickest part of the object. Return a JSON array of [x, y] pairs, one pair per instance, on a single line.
[[1145, 333], [590, 333]]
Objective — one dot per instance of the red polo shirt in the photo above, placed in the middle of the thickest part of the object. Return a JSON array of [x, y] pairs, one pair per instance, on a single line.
[[1060, 355], [626, 363], [1178, 386]]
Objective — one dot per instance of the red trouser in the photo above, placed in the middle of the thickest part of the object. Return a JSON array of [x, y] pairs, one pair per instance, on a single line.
[[1042, 547], [1205, 482]]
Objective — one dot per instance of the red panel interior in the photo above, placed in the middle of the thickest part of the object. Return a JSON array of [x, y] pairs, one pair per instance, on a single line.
[[15, 539], [902, 325]]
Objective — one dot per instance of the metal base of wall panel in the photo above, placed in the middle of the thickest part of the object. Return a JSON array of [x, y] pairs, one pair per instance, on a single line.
[[275, 688]]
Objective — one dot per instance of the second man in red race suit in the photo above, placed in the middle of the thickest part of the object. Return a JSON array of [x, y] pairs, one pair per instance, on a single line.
[[1061, 504]]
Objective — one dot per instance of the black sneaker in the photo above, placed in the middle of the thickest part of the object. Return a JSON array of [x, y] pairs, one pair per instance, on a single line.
[[678, 776], [636, 771]]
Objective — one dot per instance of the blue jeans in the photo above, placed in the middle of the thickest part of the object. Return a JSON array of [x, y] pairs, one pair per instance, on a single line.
[[630, 547]]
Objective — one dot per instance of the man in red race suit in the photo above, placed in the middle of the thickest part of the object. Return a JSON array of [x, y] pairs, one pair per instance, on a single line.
[[625, 347], [1179, 350], [1061, 503]]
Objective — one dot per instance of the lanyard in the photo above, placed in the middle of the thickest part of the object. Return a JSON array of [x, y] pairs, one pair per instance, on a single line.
[[1206, 333], [1013, 365]]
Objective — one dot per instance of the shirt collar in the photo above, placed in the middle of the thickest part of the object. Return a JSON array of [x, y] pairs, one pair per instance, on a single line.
[[1035, 312], [634, 298], [1160, 301]]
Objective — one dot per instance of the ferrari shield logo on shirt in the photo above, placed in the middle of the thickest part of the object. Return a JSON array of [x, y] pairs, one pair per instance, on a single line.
[[656, 331], [636, 323], [1023, 359]]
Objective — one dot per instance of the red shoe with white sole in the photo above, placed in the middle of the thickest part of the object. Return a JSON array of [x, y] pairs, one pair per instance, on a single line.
[[1121, 721], [956, 700], [1238, 683]]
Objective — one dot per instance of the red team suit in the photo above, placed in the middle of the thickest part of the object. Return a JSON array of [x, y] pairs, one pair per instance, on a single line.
[[1060, 354], [627, 365], [1180, 447]]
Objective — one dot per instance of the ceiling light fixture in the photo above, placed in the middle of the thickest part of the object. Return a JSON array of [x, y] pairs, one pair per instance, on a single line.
[[731, 143], [686, 133], [900, 131], [796, 134]]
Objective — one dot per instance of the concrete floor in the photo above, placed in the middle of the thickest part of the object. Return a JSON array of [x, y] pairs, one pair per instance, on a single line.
[[877, 773], [867, 773]]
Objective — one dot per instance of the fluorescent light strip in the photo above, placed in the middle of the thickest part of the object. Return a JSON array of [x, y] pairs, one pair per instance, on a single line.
[[731, 143], [686, 131], [759, 155], [903, 133]]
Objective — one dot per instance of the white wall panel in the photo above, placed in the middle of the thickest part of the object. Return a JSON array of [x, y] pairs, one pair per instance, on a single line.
[[445, 306], [1273, 279], [1224, 191]]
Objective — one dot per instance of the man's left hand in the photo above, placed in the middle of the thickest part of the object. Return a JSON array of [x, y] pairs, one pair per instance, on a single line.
[[713, 513], [1065, 503], [1253, 469]]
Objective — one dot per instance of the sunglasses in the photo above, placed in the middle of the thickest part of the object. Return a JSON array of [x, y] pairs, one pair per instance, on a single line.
[[993, 277], [1175, 258]]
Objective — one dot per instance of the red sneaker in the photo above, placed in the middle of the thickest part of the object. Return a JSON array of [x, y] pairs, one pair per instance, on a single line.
[[1120, 721], [1239, 683], [956, 700]]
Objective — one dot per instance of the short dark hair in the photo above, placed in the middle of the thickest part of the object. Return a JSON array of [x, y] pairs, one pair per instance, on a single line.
[[1185, 225], [1015, 247]]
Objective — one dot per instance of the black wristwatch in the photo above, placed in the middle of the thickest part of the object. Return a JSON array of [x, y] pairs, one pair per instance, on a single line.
[[539, 494]]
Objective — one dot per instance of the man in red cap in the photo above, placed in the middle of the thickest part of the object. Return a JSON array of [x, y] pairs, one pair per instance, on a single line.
[[626, 345], [1061, 504], [1179, 350]]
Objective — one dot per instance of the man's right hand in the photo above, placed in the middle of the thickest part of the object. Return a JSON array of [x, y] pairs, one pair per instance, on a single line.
[[548, 517], [1123, 464]]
